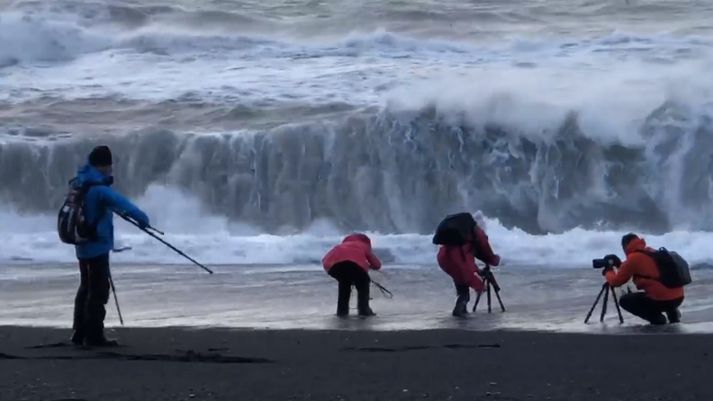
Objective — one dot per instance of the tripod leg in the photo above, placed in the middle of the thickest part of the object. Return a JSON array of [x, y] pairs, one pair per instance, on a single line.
[[489, 301], [594, 305], [500, 301], [618, 309], [604, 303], [116, 300]]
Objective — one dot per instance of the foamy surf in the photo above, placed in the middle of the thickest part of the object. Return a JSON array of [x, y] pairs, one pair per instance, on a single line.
[[212, 239]]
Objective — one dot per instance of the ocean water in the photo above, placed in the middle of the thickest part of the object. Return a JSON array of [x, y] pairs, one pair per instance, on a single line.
[[259, 133]]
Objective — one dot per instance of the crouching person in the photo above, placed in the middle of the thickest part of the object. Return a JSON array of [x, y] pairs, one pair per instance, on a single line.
[[349, 264], [661, 293]]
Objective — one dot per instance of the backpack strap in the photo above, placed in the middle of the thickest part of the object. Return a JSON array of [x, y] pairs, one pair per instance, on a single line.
[[649, 254], [84, 188]]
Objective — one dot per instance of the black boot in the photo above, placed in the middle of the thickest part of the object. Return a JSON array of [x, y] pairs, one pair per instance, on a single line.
[[367, 312], [363, 300], [77, 338], [673, 315], [658, 319], [461, 308], [100, 341]]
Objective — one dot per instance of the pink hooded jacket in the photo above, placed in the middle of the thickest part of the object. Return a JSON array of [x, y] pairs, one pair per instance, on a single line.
[[354, 248]]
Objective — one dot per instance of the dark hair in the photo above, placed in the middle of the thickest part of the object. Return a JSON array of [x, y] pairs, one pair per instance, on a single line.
[[627, 238]]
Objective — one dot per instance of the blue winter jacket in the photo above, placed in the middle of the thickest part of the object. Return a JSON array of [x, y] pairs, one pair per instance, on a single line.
[[100, 203]]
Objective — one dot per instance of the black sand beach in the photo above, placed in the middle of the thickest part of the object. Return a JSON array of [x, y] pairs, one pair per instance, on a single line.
[[221, 364]]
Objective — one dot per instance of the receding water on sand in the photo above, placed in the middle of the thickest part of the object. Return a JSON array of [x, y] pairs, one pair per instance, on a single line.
[[304, 297]]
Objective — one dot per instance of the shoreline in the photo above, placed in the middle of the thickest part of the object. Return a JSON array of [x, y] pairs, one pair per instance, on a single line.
[[356, 324]]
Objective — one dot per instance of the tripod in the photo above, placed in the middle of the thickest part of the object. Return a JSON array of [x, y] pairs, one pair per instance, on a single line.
[[605, 290], [116, 300], [489, 280]]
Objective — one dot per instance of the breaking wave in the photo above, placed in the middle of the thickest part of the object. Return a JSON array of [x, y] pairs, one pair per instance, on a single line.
[[398, 171]]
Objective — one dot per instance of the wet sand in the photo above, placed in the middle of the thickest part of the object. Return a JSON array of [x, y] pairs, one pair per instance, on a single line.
[[304, 297], [224, 364]]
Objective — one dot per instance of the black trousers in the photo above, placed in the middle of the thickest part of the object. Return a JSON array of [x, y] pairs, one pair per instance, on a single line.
[[348, 274], [637, 303], [463, 291], [92, 295]]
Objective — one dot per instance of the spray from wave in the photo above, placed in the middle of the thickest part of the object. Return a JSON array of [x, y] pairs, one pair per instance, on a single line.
[[215, 240]]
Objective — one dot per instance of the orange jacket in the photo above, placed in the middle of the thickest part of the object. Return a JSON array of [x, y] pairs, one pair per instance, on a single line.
[[643, 269], [354, 248]]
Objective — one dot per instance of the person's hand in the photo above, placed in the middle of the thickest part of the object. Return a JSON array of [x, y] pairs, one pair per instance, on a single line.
[[477, 284], [606, 270]]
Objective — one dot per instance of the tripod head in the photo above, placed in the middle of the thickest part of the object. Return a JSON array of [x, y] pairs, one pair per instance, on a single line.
[[487, 274]]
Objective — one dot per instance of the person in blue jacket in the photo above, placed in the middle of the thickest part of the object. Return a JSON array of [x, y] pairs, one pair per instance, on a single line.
[[101, 201]]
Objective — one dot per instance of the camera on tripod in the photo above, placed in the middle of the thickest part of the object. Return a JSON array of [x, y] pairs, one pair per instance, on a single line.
[[606, 262]]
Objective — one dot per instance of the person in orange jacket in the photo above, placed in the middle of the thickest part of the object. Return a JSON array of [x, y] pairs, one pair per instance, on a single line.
[[655, 298], [459, 263], [349, 263]]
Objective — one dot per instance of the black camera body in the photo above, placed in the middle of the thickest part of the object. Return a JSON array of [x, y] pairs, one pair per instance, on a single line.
[[607, 262]]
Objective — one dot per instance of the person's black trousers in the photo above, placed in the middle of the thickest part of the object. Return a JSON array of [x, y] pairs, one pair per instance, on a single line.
[[348, 274], [637, 303], [92, 295]]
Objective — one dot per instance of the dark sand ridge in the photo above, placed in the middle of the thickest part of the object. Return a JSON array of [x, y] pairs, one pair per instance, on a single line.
[[223, 364]]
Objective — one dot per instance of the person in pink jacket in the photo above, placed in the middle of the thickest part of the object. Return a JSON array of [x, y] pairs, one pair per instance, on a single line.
[[459, 263], [349, 263]]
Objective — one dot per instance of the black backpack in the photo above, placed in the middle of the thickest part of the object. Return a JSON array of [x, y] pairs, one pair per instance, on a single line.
[[673, 269], [455, 229], [72, 225]]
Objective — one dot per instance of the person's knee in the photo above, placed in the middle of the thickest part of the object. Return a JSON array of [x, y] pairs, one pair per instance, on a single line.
[[627, 302], [82, 291], [99, 294], [345, 290]]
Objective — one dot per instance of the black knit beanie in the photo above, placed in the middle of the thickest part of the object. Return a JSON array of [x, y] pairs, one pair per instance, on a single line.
[[100, 156]]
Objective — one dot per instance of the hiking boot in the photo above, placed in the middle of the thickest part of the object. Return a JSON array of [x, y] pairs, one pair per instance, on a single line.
[[100, 342], [461, 310], [77, 338], [658, 320], [366, 312], [674, 316]]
